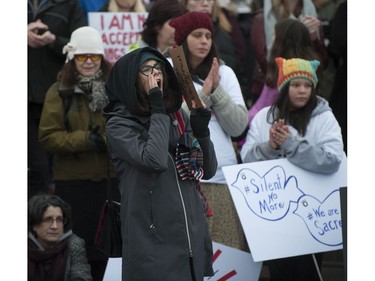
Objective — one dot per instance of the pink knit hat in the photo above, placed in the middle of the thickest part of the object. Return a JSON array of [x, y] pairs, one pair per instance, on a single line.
[[188, 22]]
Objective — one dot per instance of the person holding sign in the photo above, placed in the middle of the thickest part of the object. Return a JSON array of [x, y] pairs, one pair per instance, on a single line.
[[160, 155], [218, 87], [300, 127]]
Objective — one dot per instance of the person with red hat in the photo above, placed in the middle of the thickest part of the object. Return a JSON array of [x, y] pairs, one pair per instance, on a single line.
[[219, 89]]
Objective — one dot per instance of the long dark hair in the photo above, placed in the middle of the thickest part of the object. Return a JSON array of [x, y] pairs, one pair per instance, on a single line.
[[39, 203], [292, 40], [299, 118], [168, 95], [68, 74], [160, 12], [202, 69]]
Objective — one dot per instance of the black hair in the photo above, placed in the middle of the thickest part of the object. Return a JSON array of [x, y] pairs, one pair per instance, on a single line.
[[299, 118], [160, 12]]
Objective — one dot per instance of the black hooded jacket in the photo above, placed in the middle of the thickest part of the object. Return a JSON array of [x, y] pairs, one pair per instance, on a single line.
[[164, 228]]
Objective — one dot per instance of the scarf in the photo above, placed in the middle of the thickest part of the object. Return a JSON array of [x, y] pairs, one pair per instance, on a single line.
[[48, 264], [93, 87], [189, 160]]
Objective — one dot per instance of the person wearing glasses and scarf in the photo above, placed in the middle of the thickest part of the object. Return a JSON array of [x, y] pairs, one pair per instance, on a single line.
[[160, 155], [72, 128], [54, 252]]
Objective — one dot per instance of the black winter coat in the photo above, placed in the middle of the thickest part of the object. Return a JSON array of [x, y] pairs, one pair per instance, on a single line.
[[164, 229], [62, 18]]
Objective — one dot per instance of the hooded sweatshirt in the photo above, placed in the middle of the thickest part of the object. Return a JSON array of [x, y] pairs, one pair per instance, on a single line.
[[320, 150]]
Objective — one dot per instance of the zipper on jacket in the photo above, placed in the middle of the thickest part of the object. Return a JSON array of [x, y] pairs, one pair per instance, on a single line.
[[184, 209], [152, 212]]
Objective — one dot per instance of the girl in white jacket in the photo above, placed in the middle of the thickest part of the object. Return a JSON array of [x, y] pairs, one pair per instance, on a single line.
[[300, 127]]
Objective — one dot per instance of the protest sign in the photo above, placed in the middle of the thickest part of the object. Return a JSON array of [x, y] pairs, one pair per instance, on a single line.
[[285, 210], [119, 31], [184, 78], [229, 265]]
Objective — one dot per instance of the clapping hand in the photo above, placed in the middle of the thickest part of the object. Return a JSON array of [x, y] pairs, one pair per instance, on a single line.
[[213, 78], [279, 133]]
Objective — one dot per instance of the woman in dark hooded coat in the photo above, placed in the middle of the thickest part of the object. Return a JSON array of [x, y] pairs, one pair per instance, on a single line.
[[160, 155]]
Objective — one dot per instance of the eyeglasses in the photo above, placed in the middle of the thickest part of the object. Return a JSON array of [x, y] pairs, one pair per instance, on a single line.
[[149, 69], [51, 220], [85, 57]]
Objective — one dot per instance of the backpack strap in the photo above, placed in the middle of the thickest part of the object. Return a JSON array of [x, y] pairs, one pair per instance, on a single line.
[[66, 96]]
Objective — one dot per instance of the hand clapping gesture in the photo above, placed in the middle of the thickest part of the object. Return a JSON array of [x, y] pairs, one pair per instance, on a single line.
[[212, 80], [279, 133]]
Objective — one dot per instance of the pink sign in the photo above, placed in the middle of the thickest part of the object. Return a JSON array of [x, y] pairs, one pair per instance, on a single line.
[[119, 31]]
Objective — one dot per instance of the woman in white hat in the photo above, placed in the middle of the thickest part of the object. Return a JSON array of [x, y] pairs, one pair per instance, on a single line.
[[72, 129]]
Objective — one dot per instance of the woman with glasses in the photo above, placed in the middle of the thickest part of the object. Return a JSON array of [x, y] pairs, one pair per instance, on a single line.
[[54, 252], [160, 155], [72, 129]]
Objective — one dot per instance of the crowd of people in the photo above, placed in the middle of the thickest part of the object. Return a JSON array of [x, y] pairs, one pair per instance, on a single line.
[[269, 85]]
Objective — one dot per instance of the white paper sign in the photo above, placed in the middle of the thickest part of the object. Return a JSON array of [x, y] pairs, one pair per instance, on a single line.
[[113, 271], [285, 210], [118, 30], [229, 265], [233, 265]]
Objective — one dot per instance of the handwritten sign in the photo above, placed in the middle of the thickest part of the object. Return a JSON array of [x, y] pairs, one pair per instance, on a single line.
[[229, 265], [184, 78], [285, 210], [118, 30]]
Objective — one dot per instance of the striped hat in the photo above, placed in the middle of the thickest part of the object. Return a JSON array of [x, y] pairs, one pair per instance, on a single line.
[[296, 68]]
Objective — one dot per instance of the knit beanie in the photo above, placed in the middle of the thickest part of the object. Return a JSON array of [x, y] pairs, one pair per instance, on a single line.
[[188, 22], [296, 68], [84, 40]]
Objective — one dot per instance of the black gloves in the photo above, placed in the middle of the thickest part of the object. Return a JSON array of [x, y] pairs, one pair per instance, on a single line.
[[96, 141], [156, 101], [199, 119]]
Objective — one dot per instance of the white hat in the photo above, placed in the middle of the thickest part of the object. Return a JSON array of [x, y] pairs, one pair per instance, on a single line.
[[84, 40]]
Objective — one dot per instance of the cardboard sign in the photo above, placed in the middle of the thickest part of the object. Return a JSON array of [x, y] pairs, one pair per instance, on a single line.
[[229, 265], [285, 210], [184, 78], [119, 31]]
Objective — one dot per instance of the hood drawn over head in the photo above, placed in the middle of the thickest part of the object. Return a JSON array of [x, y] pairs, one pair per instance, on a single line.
[[121, 85]]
